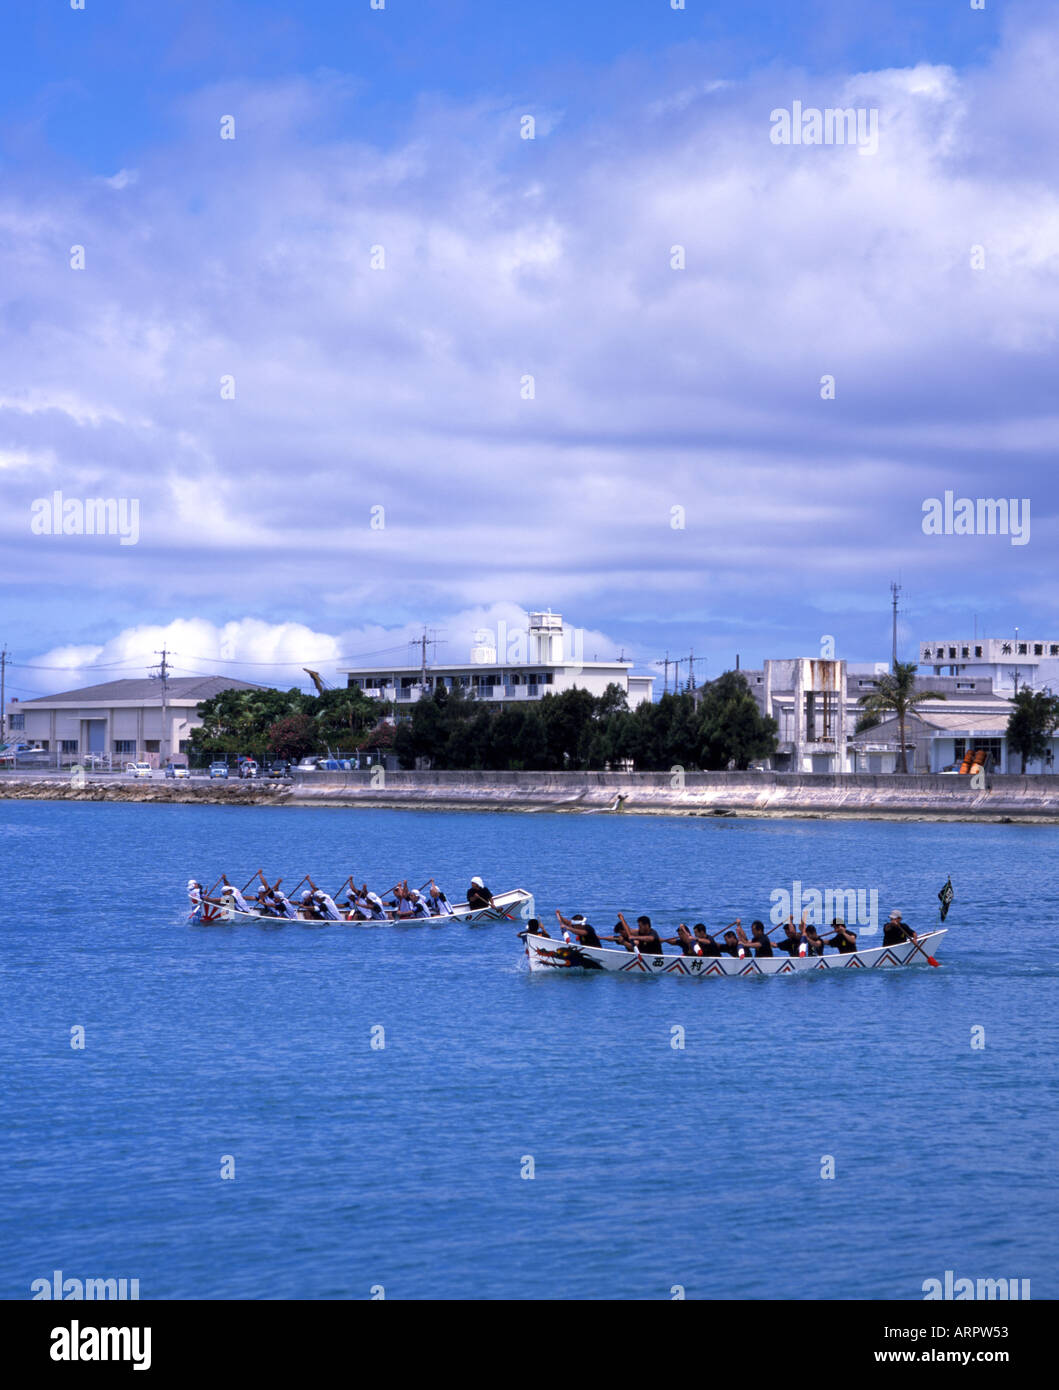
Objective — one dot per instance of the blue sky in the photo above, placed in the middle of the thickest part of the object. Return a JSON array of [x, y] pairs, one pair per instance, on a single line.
[[401, 387]]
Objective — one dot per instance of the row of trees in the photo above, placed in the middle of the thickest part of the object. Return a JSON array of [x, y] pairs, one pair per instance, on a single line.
[[576, 730], [573, 730], [287, 724]]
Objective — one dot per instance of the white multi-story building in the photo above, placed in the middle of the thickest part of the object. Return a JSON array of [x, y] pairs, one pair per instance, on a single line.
[[1007, 661], [509, 667]]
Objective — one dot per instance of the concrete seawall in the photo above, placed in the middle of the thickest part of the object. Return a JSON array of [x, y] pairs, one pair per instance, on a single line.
[[864, 796], [861, 797]]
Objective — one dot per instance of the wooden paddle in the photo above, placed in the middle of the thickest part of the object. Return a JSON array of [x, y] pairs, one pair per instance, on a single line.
[[930, 959]]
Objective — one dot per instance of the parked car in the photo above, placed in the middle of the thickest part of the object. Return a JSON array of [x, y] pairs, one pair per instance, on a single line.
[[309, 765], [248, 768], [175, 770], [279, 768], [138, 769], [218, 770]]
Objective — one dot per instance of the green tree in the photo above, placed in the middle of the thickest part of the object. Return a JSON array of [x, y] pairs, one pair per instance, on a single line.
[[896, 694], [1032, 722], [343, 716], [293, 737], [731, 727]]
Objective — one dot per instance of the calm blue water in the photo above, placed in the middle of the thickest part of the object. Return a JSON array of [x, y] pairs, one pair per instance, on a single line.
[[401, 1167]]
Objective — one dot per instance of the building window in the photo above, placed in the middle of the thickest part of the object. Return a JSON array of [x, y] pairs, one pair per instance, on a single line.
[[153, 745], [1022, 649], [978, 651], [17, 721], [183, 745], [965, 685], [952, 651], [1038, 649], [1053, 650], [965, 651], [124, 745], [68, 745], [44, 744]]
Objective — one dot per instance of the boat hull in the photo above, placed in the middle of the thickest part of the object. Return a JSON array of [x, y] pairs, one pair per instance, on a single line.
[[546, 955], [515, 904]]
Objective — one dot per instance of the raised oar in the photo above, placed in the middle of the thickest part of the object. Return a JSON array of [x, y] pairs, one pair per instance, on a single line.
[[250, 880]]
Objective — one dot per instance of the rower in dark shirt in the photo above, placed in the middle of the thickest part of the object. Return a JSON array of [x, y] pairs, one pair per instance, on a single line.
[[732, 944], [759, 940], [645, 939], [895, 932], [792, 938], [814, 941], [683, 939], [705, 942], [478, 895], [844, 940], [576, 924], [534, 928], [621, 936]]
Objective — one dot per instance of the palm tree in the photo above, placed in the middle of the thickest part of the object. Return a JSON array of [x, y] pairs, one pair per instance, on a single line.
[[896, 694]]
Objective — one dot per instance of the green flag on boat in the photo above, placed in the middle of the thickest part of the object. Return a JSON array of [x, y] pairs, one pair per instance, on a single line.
[[945, 898]]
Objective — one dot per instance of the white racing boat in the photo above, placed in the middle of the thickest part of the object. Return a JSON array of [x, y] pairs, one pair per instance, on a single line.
[[548, 954], [517, 904]]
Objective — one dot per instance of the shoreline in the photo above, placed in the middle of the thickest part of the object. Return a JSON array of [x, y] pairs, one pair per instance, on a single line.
[[1006, 799]]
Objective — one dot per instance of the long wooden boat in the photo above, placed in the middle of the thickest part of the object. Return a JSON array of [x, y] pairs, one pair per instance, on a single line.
[[548, 954], [516, 904]]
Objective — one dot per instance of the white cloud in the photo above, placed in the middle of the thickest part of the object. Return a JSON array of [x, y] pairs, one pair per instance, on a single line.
[[401, 388], [276, 653]]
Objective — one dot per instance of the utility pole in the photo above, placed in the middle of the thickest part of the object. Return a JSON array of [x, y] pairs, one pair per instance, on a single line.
[[895, 589], [422, 643], [665, 688], [691, 670], [3, 690], [163, 676]]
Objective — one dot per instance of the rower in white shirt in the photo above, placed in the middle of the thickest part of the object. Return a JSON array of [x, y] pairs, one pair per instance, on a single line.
[[376, 907], [440, 905], [326, 904], [286, 907], [238, 900]]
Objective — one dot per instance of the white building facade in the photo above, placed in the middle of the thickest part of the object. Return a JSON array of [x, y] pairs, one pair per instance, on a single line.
[[508, 667], [816, 705]]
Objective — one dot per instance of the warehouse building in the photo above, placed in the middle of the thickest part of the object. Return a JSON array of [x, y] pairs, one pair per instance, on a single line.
[[108, 725]]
